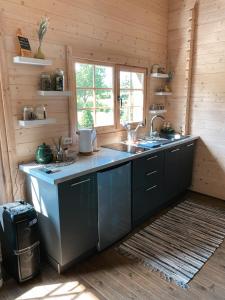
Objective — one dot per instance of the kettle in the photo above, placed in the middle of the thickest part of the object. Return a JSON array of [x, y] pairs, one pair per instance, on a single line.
[[87, 141]]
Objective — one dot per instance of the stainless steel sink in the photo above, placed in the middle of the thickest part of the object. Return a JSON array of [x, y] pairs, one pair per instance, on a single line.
[[155, 142]]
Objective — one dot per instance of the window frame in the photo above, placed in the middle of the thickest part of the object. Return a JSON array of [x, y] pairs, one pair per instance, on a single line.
[[126, 68], [99, 129], [116, 92]]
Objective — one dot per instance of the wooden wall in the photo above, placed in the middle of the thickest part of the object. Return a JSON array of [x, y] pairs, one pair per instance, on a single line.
[[126, 32], [207, 117]]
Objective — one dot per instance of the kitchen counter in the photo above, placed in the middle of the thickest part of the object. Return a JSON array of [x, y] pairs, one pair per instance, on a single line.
[[100, 160]]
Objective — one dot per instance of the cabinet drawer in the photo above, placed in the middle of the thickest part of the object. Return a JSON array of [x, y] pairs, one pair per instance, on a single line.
[[146, 201], [148, 169]]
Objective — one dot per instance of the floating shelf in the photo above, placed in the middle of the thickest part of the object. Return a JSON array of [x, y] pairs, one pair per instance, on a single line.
[[163, 93], [54, 93], [159, 75], [158, 111], [31, 61], [32, 123]]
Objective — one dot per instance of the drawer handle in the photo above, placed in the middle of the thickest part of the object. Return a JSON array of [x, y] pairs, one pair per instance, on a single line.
[[190, 145], [152, 188], [175, 150], [151, 173], [153, 157], [80, 182]]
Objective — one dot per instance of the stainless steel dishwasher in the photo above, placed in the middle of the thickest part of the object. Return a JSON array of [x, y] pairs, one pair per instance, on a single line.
[[114, 204]]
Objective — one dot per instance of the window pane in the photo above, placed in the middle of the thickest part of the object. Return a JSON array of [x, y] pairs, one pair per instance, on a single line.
[[85, 98], [103, 77], [137, 80], [104, 98], [85, 118], [84, 75], [132, 106], [125, 80], [104, 117]]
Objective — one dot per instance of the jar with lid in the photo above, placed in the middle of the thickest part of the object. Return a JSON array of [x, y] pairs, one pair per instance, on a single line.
[[28, 113], [40, 112], [45, 82], [59, 80]]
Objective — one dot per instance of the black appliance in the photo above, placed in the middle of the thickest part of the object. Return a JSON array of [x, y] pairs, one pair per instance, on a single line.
[[114, 204], [126, 148], [20, 238]]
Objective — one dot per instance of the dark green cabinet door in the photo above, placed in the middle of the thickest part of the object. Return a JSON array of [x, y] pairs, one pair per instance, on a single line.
[[172, 172], [178, 169], [187, 165], [78, 217]]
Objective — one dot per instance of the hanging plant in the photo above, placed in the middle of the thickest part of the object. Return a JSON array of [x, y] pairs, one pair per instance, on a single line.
[[42, 29]]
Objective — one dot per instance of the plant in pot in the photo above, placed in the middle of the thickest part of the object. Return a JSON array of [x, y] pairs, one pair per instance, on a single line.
[[42, 29]]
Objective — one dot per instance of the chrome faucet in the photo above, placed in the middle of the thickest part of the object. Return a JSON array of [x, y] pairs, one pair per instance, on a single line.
[[152, 122]]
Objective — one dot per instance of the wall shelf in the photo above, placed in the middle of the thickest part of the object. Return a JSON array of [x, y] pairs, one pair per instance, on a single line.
[[33, 123], [31, 61], [54, 93], [163, 93], [159, 75], [158, 111]]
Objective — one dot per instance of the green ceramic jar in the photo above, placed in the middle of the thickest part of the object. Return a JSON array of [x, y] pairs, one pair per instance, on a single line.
[[44, 154]]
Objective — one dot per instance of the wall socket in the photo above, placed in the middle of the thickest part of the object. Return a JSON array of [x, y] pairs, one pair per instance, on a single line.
[[67, 141]]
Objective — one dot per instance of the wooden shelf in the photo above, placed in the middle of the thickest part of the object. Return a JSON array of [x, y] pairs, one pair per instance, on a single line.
[[159, 75], [33, 123], [158, 111], [54, 93], [163, 93], [31, 61]]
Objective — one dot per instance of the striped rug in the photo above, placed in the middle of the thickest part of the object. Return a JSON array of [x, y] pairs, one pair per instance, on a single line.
[[180, 242]]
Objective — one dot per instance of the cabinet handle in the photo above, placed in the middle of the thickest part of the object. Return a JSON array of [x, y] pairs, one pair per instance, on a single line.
[[151, 173], [153, 157], [152, 188], [175, 150], [80, 182], [189, 145]]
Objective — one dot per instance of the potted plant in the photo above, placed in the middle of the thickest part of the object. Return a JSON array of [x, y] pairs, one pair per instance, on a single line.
[[42, 29]]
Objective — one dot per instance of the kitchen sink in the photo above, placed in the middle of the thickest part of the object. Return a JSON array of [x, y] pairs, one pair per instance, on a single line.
[[155, 142]]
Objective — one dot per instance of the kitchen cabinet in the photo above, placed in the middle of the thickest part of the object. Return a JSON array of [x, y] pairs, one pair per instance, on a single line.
[[67, 215], [178, 169], [78, 217], [147, 186]]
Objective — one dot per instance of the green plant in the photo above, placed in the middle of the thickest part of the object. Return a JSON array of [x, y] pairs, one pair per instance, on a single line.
[[87, 120], [43, 26]]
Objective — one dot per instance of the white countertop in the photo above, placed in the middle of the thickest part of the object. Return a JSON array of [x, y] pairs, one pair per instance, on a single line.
[[100, 160]]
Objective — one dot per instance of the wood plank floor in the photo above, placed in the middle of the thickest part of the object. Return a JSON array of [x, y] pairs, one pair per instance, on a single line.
[[109, 275]]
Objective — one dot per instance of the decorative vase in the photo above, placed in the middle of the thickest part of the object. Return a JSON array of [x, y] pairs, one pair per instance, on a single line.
[[39, 54]]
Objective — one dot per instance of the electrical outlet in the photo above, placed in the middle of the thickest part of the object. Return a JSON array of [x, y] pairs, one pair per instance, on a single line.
[[67, 141]]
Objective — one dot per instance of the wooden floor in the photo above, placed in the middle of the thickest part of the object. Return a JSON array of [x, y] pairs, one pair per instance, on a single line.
[[111, 276]]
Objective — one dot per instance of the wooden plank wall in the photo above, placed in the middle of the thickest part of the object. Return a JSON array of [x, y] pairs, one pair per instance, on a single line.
[[207, 115], [127, 32]]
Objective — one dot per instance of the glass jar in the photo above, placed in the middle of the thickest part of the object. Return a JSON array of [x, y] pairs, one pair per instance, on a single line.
[[45, 82], [59, 80], [28, 113], [40, 112]]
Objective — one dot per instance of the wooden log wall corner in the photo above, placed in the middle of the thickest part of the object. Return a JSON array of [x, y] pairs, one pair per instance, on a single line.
[[189, 63], [7, 138]]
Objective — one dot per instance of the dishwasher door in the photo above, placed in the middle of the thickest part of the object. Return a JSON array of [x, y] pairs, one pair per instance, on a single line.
[[114, 204]]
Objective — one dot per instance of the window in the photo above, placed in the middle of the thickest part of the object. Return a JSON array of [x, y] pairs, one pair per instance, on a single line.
[[131, 94], [95, 95]]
